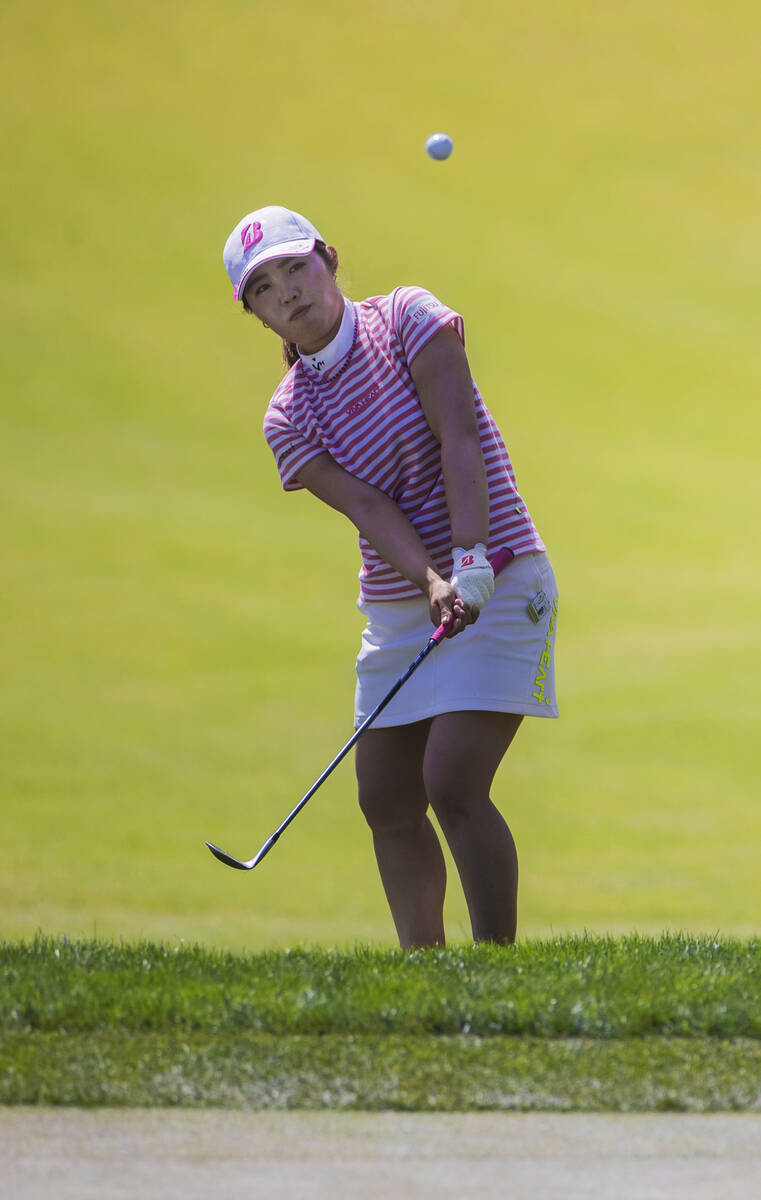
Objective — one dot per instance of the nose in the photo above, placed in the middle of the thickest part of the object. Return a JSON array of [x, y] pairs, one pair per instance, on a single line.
[[288, 292]]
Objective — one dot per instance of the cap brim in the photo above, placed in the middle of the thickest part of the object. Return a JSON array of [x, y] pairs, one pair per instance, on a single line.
[[296, 249]]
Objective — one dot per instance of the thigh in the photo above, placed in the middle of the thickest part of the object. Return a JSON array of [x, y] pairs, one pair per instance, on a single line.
[[463, 752], [389, 766]]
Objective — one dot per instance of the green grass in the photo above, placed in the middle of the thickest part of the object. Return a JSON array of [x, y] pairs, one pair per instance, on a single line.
[[576, 1023], [571, 987], [177, 638], [453, 1074]]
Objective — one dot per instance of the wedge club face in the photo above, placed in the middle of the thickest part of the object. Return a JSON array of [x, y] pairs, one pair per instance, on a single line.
[[230, 861]]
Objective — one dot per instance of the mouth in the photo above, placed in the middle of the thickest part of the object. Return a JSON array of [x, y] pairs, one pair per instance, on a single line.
[[299, 312]]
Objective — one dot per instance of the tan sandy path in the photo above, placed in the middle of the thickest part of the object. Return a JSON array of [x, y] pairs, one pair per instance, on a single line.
[[68, 1154]]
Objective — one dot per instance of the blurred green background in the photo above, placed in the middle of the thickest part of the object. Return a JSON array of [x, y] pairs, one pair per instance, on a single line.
[[178, 636]]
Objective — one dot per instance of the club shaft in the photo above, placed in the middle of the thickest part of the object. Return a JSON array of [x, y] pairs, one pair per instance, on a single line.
[[345, 750]]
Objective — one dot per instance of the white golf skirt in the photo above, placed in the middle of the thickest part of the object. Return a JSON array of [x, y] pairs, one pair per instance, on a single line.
[[503, 663]]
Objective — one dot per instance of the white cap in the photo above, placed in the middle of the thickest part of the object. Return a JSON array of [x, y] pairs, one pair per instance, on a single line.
[[268, 233]]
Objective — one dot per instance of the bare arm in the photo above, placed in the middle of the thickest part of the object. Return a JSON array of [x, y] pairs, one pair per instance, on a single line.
[[443, 382], [385, 526]]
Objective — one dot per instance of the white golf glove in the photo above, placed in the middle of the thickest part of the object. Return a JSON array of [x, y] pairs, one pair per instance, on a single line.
[[472, 578]]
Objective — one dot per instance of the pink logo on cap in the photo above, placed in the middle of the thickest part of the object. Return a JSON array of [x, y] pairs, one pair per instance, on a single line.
[[251, 235]]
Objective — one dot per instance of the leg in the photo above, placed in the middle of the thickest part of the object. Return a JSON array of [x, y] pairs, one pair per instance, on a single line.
[[462, 755], [392, 797]]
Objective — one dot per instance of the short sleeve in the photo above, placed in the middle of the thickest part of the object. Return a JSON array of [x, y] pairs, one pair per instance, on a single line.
[[417, 315], [291, 448]]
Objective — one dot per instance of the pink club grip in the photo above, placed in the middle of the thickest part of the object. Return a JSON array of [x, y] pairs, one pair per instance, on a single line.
[[439, 634], [499, 561]]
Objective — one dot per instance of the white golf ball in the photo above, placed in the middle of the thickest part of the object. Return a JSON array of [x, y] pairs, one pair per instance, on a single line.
[[439, 146]]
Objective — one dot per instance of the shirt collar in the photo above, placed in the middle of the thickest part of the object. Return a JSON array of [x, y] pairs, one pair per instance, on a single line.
[[338, 348]]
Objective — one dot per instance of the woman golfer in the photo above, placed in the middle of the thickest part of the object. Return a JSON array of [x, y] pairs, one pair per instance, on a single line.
[[379, 417]]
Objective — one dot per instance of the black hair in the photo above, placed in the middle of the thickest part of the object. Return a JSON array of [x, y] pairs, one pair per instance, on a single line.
[[290, 350]]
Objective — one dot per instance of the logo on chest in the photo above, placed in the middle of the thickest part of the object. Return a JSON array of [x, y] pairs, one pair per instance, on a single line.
[[361, 402]]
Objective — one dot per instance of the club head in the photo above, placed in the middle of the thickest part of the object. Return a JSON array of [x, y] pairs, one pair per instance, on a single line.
[[230, 861]]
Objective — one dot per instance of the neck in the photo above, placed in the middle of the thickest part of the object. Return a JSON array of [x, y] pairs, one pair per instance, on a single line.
[[328, 354], [313, 347]]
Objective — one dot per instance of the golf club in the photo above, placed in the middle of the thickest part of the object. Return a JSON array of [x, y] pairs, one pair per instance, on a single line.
[[498, 561]]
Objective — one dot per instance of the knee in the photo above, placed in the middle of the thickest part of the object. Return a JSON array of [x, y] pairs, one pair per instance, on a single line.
[[389, 808], [452, 799]]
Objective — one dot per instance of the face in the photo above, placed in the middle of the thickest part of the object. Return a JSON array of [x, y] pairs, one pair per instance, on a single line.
[[298, 298]]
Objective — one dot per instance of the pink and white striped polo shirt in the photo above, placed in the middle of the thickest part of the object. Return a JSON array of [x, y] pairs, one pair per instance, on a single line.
[[367, 415]]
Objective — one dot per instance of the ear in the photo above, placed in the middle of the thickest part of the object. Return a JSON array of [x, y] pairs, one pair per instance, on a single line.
[[333, 256]]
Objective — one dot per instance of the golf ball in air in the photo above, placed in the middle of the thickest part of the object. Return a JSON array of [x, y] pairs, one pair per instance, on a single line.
[[439, 146]]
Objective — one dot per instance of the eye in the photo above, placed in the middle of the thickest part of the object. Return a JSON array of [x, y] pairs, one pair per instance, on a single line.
[[261, 288], [295, 267]]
